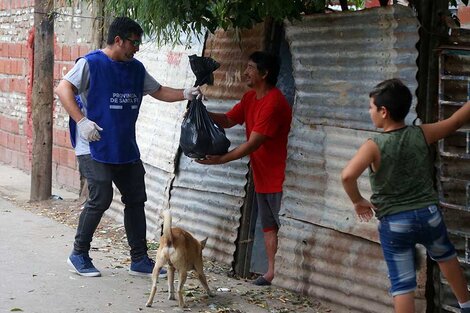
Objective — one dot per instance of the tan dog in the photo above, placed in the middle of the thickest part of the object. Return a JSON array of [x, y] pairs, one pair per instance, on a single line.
[[181, 251]]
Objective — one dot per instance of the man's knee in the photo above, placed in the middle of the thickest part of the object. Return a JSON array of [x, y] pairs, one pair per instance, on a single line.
[[100, 194], [136, 201]]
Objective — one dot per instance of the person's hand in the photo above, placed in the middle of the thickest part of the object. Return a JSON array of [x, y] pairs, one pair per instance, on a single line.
[[211, 160], [364, 210], [192, 92], [88, 130]]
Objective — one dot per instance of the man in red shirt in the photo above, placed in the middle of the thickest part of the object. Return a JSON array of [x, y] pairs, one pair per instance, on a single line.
[[267, 117]]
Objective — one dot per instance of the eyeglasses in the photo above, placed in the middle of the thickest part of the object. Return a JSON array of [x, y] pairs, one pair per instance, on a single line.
[[134, 42]]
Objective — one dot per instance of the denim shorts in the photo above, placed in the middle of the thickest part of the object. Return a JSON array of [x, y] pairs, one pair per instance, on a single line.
[[399, 233]]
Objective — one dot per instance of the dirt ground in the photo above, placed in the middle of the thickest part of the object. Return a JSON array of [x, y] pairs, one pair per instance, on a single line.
[[242, 296]]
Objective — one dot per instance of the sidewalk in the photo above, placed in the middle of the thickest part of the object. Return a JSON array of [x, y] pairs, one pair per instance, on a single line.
[[35, 276], [33, 254]]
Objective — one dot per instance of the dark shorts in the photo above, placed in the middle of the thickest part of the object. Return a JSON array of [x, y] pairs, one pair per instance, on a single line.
[[399, 233], [269, 205]]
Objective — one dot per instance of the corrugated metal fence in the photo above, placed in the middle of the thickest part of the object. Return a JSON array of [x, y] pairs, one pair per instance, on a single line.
[[336, 59]]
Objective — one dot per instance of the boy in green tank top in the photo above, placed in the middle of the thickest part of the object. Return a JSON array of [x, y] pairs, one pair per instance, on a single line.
[[404, 197]]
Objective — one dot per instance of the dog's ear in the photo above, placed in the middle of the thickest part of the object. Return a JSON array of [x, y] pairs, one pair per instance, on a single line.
[[203, 243]]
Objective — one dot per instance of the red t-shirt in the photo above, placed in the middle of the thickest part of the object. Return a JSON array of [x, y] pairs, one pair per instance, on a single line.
[[270, 116]]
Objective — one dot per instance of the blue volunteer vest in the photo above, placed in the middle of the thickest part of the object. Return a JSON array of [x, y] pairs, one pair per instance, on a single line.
[[113, 102]]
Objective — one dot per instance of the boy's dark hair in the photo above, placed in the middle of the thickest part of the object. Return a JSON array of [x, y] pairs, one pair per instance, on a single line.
[[393, 95], [267, 62], [123, 27]]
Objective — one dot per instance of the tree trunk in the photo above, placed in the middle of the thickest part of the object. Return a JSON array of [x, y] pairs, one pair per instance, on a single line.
[[42, 101], [99, 25]]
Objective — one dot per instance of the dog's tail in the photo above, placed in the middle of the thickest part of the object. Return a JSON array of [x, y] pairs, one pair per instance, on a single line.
[[203, 243], [167, 225]]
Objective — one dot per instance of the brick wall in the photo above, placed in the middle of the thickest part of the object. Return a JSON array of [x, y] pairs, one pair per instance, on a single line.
[[15, 132], [73, 30], [73, 37]]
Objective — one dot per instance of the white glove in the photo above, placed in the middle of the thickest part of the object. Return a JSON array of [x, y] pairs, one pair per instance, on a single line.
[[191, 92], [88, 130]]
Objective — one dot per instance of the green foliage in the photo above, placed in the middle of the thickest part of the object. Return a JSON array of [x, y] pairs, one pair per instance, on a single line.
[[358, 3], [167, 19]]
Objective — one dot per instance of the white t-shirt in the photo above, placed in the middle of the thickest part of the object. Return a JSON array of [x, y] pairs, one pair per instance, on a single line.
[[79, 76]]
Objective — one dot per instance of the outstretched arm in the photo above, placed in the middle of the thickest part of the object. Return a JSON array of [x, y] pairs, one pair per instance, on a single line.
[[222, 120], [435, 131], [255, 141], [368, 154], [169, 94]]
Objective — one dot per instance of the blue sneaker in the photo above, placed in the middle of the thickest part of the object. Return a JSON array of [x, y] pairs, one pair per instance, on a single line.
[[144, 267], [81, 264]]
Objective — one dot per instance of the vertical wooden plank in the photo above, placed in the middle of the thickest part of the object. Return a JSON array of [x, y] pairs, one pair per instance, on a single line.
[[42, 100]]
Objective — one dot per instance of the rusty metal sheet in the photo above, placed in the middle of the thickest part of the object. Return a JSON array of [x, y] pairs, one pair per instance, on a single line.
[[338, 58], [345, 271], [224, 47], [313, 191], [207, 214], [207, 200]]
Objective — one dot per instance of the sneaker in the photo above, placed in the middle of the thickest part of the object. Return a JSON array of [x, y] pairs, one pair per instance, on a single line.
[[81, 264], [144, 267]]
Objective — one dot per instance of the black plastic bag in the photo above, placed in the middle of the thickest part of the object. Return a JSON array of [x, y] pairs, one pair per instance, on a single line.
[[203, 67], [200, 136]]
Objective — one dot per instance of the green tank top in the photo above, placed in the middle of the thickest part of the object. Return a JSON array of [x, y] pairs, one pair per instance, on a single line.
[[405, 179]]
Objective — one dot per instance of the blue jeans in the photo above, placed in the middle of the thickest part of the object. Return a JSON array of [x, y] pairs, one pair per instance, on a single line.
[[399, 233], [129, 179]]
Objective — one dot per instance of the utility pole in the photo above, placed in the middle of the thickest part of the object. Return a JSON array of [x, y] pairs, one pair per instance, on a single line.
[[42, 100]]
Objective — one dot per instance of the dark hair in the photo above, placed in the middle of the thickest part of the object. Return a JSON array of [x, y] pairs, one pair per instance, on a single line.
[[267, 62], [123, 27], [393, 95]]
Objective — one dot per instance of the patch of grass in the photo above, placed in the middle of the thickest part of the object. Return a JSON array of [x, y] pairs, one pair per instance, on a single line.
[[153, 245]]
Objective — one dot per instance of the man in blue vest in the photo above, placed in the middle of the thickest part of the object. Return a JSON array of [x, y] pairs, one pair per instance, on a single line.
[[102, 94]]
